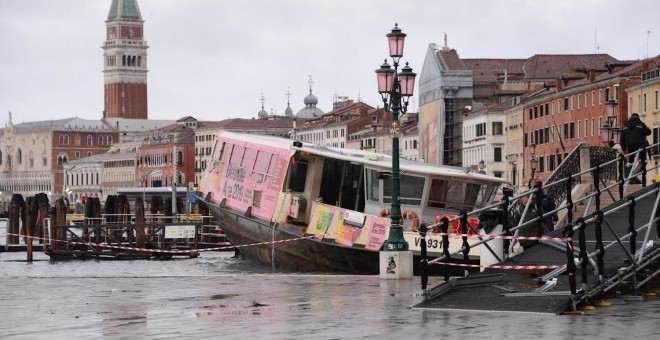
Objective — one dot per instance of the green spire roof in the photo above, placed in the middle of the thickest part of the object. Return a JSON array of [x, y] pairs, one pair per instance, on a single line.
[[124, 10]]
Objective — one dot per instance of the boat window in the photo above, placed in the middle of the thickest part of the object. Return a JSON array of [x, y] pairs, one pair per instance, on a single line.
[[373, 185], [298, 176], [248, 158], [438, 194], [274, 169], [219, 151], [263, 159], [411, 190], [454, 194], [236, 155]]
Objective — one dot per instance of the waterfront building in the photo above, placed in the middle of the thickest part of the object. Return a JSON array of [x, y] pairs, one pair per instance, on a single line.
[[574, 110], [334, 127], [125, 62], [450, 86], [515, 161], [83, 178], [643, 99], [167, 156], [484, 140], [33, 154]]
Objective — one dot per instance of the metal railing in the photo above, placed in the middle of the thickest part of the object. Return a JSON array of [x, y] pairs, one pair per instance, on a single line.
[[607, 168]]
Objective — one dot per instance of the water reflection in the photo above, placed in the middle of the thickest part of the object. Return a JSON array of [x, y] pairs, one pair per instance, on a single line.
[[215, 295]]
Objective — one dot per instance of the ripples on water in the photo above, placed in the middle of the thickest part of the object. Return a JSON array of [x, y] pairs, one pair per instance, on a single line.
[[217, 296]]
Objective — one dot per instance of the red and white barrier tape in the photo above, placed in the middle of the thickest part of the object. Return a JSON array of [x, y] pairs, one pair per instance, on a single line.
[[499, 266], [503, 237], [105, 245]]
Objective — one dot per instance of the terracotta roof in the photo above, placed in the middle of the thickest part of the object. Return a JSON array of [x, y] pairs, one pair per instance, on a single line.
[[539, 66], [453, 61], [489, 70], [552, 66]]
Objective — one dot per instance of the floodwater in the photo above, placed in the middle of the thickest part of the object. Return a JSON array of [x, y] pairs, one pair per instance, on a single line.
[[216, 296]]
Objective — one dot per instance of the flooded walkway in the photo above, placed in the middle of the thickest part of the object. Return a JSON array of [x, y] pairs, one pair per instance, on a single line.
[[215, 296]]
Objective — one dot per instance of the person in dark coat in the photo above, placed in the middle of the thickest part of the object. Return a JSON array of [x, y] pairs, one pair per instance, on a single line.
[[633, 136], [548, 205], [531, 230]]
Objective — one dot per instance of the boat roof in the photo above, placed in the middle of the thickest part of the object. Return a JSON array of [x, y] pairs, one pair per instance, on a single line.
[[363, 157]]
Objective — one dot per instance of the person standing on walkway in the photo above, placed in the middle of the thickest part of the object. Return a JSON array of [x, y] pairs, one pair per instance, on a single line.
[[548, 205], [633, 138], [533, 229]]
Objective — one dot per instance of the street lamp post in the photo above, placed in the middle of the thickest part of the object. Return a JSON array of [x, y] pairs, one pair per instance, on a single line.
[[395, 89], [533, 163], [610, 133]]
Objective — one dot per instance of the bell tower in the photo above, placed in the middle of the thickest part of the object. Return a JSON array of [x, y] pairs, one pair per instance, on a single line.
[[125, 62]]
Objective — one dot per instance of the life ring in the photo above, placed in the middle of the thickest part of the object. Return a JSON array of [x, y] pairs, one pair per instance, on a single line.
[[455, 226], [415, 220], [385, 212]]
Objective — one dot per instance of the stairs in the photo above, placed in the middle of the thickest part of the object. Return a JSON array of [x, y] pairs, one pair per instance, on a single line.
[[587, 207]]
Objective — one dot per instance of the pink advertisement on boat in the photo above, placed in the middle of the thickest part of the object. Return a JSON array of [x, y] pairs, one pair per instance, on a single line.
[[376, 229], [251, 176]]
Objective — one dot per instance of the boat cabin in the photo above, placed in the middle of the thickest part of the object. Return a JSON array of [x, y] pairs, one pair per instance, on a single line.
[[266, 177]]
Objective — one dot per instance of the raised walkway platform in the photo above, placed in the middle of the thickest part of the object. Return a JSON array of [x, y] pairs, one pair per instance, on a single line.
[[528, 291]]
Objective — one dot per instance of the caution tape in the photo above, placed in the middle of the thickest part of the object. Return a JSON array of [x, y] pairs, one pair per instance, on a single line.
[[168, 251], [503, 237], [499, 266]]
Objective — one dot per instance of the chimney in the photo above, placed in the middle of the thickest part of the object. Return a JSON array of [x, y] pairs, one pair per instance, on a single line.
[[645, 65], [559, 85], [592, 75]]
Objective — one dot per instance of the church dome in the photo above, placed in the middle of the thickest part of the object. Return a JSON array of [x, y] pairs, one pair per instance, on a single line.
[[311, 99], [288, 112], [262, 113], [310, 110]]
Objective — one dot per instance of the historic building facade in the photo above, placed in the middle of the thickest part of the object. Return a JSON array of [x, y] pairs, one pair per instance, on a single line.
[[643, 99], [34, 154]]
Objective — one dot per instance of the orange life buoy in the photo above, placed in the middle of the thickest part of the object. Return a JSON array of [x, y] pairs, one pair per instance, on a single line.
[[455, 226], [411, 214], [385, 212]]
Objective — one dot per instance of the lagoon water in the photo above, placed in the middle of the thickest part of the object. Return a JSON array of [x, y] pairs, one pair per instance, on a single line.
[[216, 296]]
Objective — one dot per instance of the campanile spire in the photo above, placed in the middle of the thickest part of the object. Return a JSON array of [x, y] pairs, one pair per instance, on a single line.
[[125, 62]]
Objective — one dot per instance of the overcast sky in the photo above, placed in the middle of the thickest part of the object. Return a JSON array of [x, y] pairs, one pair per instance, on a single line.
[[212, 59]]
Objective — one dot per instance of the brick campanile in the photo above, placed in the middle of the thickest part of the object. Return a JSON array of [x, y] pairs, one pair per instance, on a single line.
[[125, 62]]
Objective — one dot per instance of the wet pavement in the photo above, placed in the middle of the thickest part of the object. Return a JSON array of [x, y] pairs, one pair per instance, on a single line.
[[216, 296]]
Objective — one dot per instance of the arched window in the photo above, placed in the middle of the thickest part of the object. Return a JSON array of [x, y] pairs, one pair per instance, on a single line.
[[139, 61], [179, 160], [19, 155], [109, 140], [77, 139], [90, 141], [123, 60], [62, 159], [101, 140], [0, 157], [31, 159]]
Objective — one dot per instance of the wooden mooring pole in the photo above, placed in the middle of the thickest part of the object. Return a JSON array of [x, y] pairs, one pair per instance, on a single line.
[[139, 222], [31, 214]]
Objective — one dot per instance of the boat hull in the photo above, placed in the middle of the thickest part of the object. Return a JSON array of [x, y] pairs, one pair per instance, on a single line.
[[292, 251], [296, 252]]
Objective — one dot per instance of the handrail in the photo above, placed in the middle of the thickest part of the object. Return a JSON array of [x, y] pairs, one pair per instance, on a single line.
[[604, 159]]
